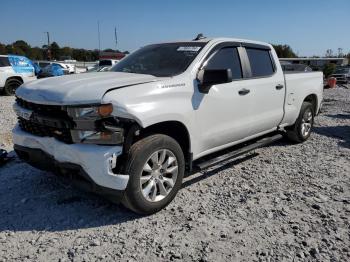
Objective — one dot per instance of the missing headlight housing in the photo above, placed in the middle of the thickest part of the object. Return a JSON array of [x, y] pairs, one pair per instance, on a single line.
[[98, 137], [90, 128]]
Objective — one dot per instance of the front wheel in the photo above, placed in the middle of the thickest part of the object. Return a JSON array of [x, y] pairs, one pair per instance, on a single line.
[[301, 130], [155, 166]]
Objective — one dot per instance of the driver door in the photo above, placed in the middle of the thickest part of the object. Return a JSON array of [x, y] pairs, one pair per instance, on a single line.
[[223, 115]]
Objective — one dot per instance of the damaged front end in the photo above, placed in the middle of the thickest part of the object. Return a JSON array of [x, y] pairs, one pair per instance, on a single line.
[[96, 125], [83, 124], [89, 137]]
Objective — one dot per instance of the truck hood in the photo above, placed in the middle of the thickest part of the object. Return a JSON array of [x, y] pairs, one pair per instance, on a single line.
[[82, 88]]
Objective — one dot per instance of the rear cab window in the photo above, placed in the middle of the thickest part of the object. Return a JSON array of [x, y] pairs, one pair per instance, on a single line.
[[260, 62]]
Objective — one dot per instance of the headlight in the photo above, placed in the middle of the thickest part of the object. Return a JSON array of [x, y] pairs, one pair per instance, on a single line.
[[91, 111]]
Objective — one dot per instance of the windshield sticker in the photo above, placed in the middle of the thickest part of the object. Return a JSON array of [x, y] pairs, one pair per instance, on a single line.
[[188, 48]]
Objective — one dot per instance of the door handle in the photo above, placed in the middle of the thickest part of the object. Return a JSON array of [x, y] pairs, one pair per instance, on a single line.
[[278, 87], [243, 91]]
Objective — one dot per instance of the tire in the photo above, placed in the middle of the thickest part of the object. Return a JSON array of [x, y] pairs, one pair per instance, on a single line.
[[153, 186], [11, 85], [301, 130]]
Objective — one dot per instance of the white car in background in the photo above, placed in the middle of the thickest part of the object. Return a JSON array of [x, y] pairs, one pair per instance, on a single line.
[[14, 71], [70, 68]]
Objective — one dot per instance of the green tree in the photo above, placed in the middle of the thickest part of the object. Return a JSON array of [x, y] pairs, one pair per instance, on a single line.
[[284, 51], [55, 51], [328, 69], [37, 53], [66, 51], [2, 49], [21, 48]]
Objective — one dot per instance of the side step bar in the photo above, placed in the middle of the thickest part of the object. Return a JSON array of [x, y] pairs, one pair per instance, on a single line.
[[216, 160]]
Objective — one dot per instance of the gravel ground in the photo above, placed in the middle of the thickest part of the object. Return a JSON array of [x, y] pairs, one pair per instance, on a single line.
[[282, 203]]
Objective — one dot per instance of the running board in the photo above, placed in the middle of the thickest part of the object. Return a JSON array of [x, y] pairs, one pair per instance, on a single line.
[[260, 143]]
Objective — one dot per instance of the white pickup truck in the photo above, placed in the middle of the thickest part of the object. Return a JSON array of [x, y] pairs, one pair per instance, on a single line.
[[132, 134]]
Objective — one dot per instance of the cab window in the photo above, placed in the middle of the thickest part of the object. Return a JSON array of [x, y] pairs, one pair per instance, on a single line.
[[226, 58], [260, 62]]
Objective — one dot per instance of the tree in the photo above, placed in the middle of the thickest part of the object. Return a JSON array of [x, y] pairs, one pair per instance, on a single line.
[[329, 53], [55, 51], [21, 47], [328, 69], [2, 49], [284, 51], [37, 53], [109, 50], [67, 51]]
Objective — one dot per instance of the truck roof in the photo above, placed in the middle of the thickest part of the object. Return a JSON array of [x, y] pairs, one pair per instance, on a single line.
[[219, 39]]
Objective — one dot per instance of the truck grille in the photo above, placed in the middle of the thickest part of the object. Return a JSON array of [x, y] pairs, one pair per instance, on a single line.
[[47, 120], [46, 110]]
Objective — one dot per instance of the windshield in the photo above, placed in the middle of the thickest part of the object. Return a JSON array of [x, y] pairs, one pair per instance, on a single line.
[[160, 59], [342, 70]]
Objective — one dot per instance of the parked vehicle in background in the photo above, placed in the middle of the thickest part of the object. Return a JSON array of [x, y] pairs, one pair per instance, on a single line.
[[289, 67], [342, 74], [53, 69], [107, 62], [14, 71], [102, 65], [133, 132], [70, 68], [42, 64], [99, 69]]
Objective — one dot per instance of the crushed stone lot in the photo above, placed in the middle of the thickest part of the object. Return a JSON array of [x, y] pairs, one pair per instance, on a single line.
[[283, 202]]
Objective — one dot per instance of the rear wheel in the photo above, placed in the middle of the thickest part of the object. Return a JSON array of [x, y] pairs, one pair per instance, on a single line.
[[156, 167], [301, 130], [11, 85]]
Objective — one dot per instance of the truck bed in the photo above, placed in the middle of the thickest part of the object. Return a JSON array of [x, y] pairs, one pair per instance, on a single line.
[[298, 86]]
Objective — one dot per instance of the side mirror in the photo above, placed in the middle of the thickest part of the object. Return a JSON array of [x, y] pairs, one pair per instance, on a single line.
[[210, 77]]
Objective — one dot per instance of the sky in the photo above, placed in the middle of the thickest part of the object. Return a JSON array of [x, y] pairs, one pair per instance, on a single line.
[[310, 27]]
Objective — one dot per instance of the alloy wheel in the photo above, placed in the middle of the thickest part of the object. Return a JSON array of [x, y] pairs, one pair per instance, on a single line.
[[159, 175]]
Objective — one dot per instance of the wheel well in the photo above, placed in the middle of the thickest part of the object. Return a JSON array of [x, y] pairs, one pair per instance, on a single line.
[[15, 78], [177, 131], [313, 100]]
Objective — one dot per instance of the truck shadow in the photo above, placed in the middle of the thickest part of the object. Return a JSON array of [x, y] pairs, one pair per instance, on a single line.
[[340, 116], [342, 133], [34, 200]]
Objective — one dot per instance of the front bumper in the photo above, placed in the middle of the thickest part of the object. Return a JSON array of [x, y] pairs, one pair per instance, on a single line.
[[94, 162]]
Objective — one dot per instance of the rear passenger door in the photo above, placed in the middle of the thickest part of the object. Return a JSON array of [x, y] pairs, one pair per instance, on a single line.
[[266, 84]]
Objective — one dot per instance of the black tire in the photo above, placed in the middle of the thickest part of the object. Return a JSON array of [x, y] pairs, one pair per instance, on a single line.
[[11, 85], [295, 133], [138, 156]]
